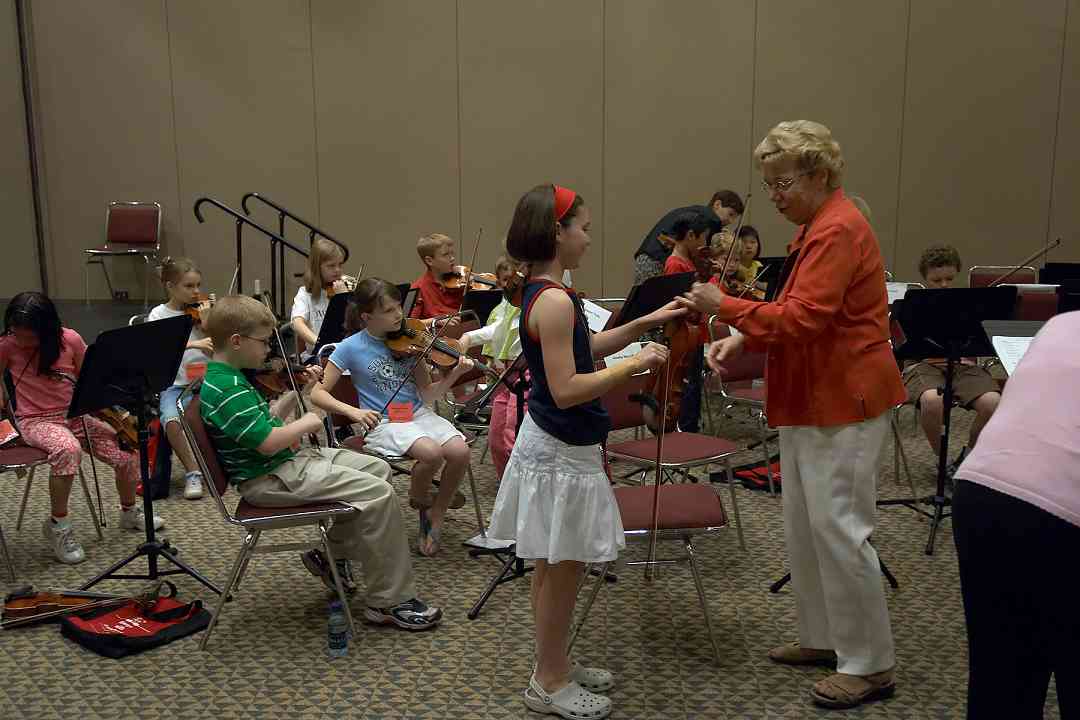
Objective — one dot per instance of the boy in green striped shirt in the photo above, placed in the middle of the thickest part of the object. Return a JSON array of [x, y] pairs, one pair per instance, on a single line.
[[261, 456]]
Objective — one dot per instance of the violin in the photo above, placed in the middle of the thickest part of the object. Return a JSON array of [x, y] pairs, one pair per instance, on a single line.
[[345, 284], [514, 287], [124, 423], [413, 338], [272, 380], [25, 606], [462, 277], [200, 304]]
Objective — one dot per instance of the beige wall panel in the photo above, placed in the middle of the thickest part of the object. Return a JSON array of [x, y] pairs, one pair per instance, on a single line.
[[982, 101], [244, 122], [678, 88], [102, 75], [531, 112], [19, 271], [841, 64], [1065, 210], [386, 88]]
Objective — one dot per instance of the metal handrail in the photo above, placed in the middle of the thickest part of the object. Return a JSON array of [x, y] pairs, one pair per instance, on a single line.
[[283, 213], [241, 221]]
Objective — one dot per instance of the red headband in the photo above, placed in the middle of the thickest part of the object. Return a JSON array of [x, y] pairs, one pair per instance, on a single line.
[[564, 198]]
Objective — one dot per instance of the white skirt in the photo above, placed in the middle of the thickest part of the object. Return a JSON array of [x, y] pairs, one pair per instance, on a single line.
[[396, 438], [555, 501]]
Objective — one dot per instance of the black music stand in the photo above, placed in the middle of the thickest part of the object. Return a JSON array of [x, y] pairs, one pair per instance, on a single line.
[[128, 366], [947, 323], [332, 329], [653, 294], [482, 302]]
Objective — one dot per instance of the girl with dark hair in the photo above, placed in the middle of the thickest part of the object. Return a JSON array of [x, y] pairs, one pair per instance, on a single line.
[[555, 500], [42, 359]]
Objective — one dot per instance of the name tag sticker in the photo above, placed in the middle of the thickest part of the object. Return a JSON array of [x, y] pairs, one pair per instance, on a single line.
[[400, 412], [195, 371], [7, 431]]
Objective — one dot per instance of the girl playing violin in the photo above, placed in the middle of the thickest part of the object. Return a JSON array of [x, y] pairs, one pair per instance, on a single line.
[[555, 500], [44, 360], [312, 298], [412, 429], [181, 280]]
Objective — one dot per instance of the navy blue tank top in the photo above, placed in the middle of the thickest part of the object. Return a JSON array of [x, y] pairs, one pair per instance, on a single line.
[[584, 424]]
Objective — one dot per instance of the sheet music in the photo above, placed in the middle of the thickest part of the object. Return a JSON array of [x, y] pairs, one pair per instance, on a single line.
[[623, 355], [596, 315], [896, 291], [1010, 350]]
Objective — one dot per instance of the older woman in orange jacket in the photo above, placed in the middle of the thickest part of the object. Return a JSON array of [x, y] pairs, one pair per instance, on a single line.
[[831, 381]]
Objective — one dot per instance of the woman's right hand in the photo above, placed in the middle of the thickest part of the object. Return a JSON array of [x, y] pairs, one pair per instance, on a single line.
[[368, 418], [651, 356], [723, 350]]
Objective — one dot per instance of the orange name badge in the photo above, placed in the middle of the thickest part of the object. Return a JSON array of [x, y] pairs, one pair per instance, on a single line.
[[7, 431], [400, 412], [195, 371]]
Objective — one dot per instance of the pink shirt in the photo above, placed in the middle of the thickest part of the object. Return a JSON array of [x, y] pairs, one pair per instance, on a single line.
[[42, 394], [1030, 449]]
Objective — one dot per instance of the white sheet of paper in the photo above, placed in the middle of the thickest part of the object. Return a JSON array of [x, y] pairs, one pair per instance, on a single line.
[[1010, 349], [896, 291], [623, 355], [596, 315]]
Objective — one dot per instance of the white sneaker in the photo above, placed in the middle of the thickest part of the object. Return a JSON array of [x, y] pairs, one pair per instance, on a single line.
[[193, 489], [62, 539], [135, 519]]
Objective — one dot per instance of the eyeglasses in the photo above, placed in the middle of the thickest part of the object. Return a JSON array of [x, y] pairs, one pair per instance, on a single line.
[[265, 341], [782, 185]]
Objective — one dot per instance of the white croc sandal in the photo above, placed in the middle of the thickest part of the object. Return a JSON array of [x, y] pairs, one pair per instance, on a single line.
[[593, 679], [573, 702]]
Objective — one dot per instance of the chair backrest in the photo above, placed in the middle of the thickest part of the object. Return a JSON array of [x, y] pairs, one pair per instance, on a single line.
[[343, 391], [626, 413], [203, 449], [747, 366], [1035, 305], [984, 275], [133, 223]]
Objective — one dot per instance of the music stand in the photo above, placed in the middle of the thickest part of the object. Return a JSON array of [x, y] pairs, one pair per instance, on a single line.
[[947, 323], [653, 294], [482, 302], [128, 366], [332, 329]]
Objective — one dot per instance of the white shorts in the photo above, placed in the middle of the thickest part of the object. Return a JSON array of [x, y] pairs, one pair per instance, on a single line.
[[396, 438]]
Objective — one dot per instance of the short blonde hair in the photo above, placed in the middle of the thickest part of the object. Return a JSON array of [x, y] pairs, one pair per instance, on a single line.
[[505, 263], [321, 251], [428, 245], [811, 145], [236, 315]]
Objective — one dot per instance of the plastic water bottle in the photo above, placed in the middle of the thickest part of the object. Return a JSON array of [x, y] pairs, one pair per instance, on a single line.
[[337, 631]]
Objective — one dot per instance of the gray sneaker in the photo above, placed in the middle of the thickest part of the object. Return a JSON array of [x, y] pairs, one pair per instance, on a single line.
[[61, 538], [316, 564]]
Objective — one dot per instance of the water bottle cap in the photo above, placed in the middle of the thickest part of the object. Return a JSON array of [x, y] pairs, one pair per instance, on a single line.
[[336, 605]]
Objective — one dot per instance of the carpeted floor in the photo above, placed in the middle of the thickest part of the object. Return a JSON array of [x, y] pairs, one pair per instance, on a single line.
[[268, 656]]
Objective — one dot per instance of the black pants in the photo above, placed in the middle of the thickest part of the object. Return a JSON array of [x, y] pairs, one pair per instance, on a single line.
[[1018, 577], [690, 410]]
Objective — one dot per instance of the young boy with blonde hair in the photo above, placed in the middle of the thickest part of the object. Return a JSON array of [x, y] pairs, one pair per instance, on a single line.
[[436, 251], [261, 457]]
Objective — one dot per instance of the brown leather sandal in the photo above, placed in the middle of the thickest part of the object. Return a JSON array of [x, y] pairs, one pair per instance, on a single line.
[[795, 654], [841, 691]]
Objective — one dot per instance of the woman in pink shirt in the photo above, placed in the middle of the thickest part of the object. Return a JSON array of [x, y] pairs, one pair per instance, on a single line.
[[44, 359], [1016, 521]]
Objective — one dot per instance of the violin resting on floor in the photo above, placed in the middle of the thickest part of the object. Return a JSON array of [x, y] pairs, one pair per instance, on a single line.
[[24, 606]]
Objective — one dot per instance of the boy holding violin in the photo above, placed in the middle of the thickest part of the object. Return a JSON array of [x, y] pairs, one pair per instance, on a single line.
[[435, 298], [257, 451]]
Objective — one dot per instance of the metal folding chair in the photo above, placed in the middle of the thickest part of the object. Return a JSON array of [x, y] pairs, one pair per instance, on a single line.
[[254, 521], [132, 229]]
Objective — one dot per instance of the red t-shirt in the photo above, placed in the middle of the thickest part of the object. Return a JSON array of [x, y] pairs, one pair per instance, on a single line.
[[675, 265], [433, 299]]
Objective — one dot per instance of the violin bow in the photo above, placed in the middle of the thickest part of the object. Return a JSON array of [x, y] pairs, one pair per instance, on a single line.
[[1049, 246], [735, 236], [265, 297], [658, 474], [468, 274], [753, 283]]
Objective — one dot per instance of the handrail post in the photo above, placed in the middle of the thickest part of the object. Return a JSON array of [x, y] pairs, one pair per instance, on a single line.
[[239, 258]]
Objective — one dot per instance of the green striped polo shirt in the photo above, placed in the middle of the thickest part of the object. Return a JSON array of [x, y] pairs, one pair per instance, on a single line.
[[238, 420]]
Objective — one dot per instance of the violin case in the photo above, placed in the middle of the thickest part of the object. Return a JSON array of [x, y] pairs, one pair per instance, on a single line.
[[128, 629]]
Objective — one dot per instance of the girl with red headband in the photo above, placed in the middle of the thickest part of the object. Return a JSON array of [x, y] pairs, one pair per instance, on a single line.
[[555, 500]]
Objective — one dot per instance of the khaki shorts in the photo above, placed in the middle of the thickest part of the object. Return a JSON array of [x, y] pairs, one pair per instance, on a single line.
[[970, 382]]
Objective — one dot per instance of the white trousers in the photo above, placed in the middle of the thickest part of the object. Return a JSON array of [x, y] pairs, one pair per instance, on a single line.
[[830, 489]]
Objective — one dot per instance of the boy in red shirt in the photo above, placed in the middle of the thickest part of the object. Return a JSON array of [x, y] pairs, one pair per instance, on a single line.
[[436, 251]]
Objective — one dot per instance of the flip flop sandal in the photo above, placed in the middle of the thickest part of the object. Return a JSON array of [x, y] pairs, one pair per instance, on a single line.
[[831, 694], [593, 679], [428, 543], [420, 503], [573, 702]]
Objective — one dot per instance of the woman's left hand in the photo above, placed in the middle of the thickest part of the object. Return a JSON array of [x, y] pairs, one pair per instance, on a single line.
[[704, 298], [671, 311]]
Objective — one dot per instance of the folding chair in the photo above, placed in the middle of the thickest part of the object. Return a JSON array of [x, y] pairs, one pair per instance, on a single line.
[[686, 511], [255, 520], [682, 450], [132, 229], [984, 275], [20, 457], [742, 384]]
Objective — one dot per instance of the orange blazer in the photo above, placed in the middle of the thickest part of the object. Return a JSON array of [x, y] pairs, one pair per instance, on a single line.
[[826, 336]]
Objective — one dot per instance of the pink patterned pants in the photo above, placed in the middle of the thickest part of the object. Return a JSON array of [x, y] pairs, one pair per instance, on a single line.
[[64, 440]]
